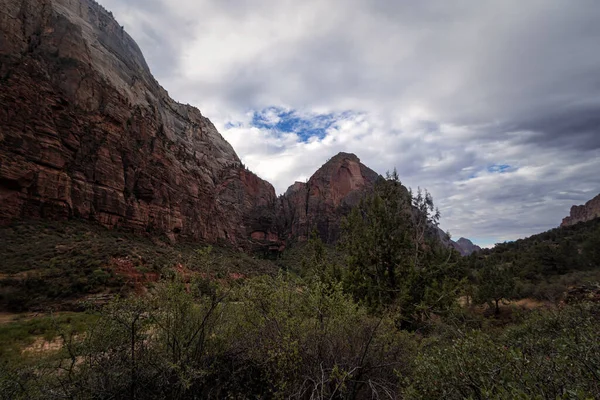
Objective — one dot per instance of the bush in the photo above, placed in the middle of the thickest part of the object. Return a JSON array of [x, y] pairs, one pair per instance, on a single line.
[[553, 292], [273, 337], [553, 355]]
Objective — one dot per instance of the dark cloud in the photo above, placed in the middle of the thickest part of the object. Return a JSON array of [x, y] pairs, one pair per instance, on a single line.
[[576, 127]]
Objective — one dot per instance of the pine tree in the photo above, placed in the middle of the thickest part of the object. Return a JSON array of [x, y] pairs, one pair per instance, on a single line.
[[394, 257]]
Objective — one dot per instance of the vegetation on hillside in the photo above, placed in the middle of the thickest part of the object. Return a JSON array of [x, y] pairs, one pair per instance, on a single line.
[[543, 266], [389, 313], [50, 264]]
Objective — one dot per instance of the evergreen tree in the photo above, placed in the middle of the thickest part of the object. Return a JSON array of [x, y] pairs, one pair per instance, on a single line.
[[377, 240], [394, 257], [317, 262]]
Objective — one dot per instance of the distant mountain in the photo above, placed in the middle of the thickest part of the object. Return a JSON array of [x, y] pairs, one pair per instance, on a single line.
[[587, 212], [329, 195], [465, 247]]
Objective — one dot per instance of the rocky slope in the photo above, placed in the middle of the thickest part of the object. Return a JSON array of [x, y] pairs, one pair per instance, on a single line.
[[86, 131], [329, 194], [464, 246], [583, 213]]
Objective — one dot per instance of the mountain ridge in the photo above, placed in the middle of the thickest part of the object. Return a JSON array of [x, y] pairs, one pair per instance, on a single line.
[[466, 247], [327, 196]]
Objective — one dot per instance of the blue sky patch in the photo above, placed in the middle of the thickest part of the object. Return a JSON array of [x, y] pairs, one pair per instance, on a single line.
[[306, 126], [230, 125], [499, 168]]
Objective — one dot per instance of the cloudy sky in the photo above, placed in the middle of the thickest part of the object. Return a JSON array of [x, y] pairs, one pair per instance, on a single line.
[[493, 106]]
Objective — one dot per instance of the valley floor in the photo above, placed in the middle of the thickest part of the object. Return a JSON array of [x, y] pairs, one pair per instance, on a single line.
[[94, 313]]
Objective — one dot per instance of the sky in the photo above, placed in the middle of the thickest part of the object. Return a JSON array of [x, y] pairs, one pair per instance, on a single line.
[[492, 106]]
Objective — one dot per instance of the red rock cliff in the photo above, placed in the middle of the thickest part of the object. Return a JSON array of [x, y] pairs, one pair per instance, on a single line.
[[587, 212], [328, 195], [86, 131]]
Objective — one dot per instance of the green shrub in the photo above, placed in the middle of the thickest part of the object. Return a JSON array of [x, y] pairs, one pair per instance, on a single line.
[[552, 355]]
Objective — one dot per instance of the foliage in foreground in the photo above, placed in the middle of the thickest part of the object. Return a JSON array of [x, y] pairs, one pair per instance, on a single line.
[[553, 355], [271, 338], [284, 338], [394, 259]]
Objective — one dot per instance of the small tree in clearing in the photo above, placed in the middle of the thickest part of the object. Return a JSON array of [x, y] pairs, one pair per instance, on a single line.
[[496, 283]]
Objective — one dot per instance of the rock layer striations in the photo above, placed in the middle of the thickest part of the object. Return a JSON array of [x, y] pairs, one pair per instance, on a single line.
[[329, 195], [87, 132]]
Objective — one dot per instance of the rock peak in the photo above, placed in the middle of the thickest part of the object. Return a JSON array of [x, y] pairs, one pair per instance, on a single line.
[[326, 197], [343, 156], [466, 246]]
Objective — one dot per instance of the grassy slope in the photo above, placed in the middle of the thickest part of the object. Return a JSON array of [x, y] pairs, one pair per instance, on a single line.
[[52, 264], [23, 330]]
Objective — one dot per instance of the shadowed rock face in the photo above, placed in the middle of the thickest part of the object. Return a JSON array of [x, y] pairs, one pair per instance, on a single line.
[[587, 212], [328, 195], [87, 132]]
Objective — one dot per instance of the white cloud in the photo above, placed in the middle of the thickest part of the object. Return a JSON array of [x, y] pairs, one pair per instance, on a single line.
[[440, 90]]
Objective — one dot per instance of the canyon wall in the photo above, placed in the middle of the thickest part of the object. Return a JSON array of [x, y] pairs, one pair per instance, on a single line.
[[87, 132]]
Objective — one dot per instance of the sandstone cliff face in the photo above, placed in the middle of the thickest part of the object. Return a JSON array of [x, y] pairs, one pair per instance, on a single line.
[[328, 195], [86, 131], [587, 212]]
